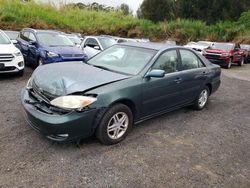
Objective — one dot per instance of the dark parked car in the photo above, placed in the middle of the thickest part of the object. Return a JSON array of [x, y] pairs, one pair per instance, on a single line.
[[121, 86], [246, 47], [45, 46]]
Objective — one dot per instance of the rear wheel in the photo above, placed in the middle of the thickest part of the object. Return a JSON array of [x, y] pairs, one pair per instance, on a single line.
[[115, 125], [202, 99]]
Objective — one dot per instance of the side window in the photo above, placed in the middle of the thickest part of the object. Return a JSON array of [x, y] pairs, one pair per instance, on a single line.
[[32, 37], [90, 42], [168, 62], [190, 60], [24, 35]]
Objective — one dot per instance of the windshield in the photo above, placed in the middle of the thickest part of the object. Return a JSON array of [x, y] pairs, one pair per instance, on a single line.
[[191, 43], [4, 39], [54, 39], [75, 40], [12, 34], [222, 46], [107, 42], [123, 59]]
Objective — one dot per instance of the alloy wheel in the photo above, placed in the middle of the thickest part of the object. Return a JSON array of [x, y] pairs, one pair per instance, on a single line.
[[229, 64], [242, 62], [117, 125], [203, 98]]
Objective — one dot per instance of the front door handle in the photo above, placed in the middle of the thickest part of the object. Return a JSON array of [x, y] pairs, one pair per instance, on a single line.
[[178, 80]]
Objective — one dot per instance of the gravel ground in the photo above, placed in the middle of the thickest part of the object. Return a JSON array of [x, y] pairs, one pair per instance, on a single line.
[[184, 148]]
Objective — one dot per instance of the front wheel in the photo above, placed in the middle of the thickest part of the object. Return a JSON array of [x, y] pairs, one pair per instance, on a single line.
[[241, 63], [115, 125], [40, 61], [20, 73], [229, 64], [202, 99]]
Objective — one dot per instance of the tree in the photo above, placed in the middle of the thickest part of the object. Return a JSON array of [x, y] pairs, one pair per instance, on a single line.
[[210, 11], [125, 9], [156, 10]]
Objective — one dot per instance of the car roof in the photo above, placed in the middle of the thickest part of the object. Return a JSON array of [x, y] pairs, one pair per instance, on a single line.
[[148, 45], [11, 31], [99, 37], [42, 30], [231, 43]]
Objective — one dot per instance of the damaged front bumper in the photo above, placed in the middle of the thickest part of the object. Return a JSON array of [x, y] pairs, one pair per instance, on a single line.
[[64, 127]]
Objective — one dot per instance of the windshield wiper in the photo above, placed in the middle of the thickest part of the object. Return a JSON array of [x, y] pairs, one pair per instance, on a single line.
[[102, 67], [61, 45]]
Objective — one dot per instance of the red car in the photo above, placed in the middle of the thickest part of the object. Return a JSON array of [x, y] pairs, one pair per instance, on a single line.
[[225, 54]]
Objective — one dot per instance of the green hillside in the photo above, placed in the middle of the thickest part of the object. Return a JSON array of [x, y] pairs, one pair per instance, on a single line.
[[15, 14]]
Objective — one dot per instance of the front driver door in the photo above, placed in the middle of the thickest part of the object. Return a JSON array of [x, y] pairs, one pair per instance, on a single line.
[[24, 44], [32, 52], [162, 93]]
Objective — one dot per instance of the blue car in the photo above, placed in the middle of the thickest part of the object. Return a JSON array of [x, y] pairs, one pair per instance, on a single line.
[[45, 46]]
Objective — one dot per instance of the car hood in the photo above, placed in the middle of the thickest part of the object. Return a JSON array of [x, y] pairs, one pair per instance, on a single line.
[[210, 50], [66, 78], [196, 46], [8, 49], [65, 50]]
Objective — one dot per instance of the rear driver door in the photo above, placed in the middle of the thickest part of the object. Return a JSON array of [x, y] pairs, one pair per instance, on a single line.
[[194, 75]]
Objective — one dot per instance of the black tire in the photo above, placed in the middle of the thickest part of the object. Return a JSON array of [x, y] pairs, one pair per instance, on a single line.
[[20, 73], [241, 63], [245, 60], [102, 129], [39, 61], [26, 62], [197, 104]]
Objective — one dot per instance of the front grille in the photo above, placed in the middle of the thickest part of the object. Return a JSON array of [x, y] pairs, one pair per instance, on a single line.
[[8, 69], [71, 55], [213, 56], [6, 57]]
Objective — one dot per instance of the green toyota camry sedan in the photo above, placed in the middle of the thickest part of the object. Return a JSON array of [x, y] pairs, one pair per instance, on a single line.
[[124, 85]]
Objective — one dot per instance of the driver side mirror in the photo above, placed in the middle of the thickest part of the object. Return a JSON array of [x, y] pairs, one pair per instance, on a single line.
[[32, 43], [13, 41], [97, 48], [155, 73]]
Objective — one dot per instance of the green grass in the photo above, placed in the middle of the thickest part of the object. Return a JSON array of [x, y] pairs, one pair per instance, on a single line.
[[16, 15]]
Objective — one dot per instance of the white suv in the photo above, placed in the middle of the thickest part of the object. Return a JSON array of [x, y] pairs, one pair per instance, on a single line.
[[11, 59]]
